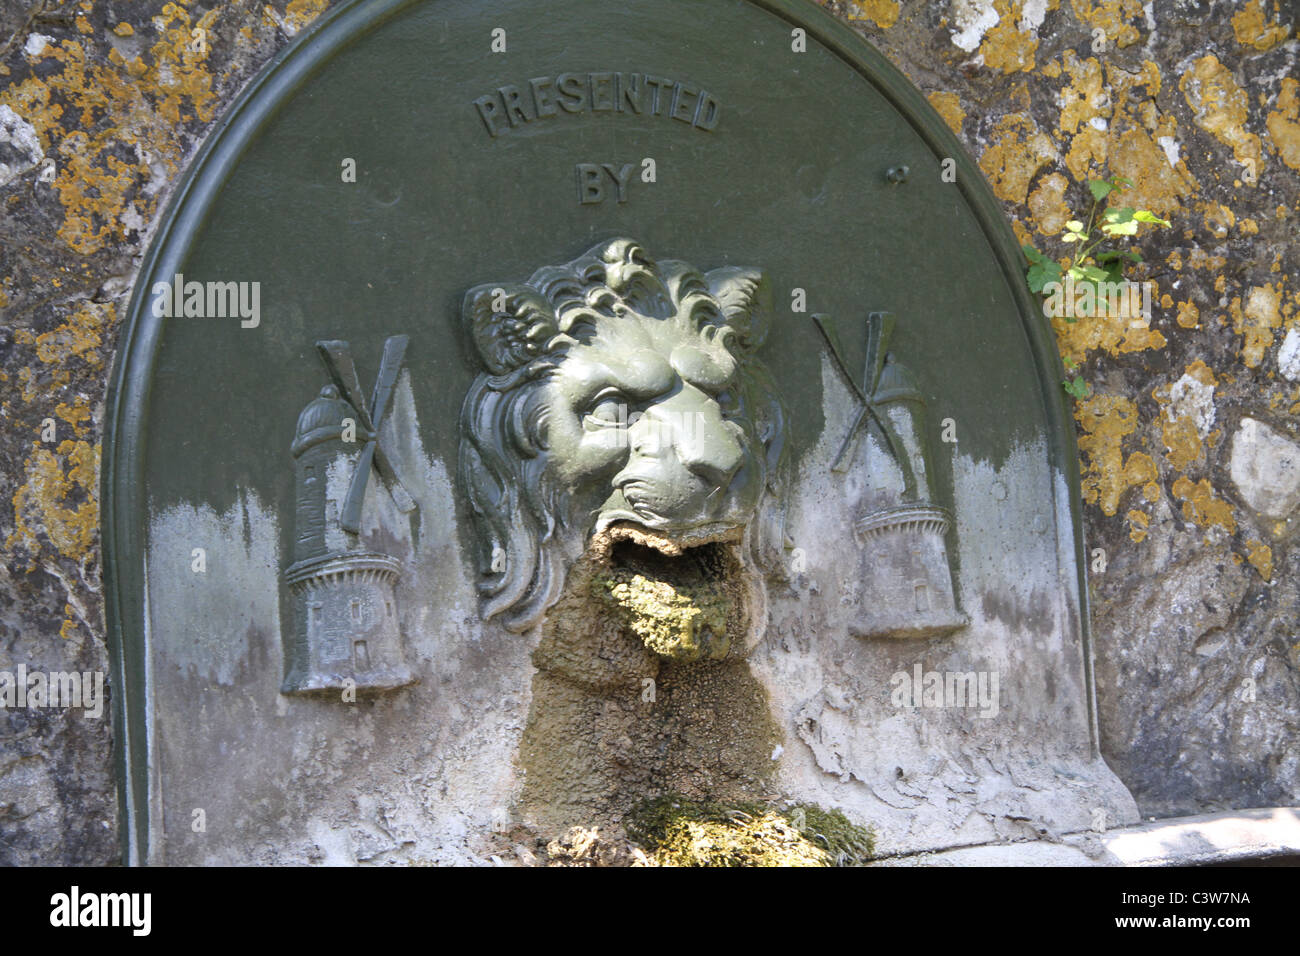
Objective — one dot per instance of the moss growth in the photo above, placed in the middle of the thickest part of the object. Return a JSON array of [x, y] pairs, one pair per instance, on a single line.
[[676, 621], [680, 832]]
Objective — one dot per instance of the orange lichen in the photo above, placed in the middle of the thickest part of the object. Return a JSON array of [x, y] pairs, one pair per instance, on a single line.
[[1261, 556], [298, 14], [1219, 219], [1284, 127], [1112, 18], [1138, 523], [1085, 97], [883, 13], [948, 105], [78, 337], [1047, 203], [1019, 149], [1202, 506], [57, 508], [1114, 332], [1157, 186], [97, 186], [1256, 321], [1106, 420], [1182, 442], [77, 415], [1254, 30], [1221, 107], [1009, 45]]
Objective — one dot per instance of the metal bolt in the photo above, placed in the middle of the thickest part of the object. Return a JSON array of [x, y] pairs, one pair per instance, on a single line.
[[897, 174]]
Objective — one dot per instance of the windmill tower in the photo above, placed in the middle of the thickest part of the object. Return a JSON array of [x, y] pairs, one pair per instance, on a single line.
[[904, 575], [345, 632]]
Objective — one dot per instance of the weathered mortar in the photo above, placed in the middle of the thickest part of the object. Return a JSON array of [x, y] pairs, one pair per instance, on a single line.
[[1194, 613]]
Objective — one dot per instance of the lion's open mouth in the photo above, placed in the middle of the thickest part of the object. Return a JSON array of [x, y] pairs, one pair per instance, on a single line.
[[681, 598]]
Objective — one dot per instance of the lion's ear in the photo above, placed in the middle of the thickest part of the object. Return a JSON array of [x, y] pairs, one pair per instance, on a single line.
[[510, 324], [746, 299]]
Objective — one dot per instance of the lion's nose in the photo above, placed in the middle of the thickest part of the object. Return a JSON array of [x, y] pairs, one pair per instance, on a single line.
[[688, 432]]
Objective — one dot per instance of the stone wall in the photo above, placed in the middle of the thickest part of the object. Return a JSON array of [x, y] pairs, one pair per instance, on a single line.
[[1188, 433]]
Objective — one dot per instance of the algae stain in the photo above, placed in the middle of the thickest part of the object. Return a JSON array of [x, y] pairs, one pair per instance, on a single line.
[[676, 621], [681, 832]]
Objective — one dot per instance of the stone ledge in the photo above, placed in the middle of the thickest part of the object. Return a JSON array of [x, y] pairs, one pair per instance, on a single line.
[[1233, 836]]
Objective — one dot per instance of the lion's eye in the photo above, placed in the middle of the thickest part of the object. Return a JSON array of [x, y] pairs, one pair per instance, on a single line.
[[728, 401], [609, 411]]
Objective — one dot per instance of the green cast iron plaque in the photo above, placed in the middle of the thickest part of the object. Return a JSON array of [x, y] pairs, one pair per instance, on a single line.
[[501, 368]]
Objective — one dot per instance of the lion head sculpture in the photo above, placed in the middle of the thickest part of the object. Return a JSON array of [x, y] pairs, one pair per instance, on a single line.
[[618, 392]]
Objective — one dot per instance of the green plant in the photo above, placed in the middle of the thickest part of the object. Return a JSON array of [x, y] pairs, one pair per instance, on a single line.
[[1078, 388], [1098, 262], [1094, 262]]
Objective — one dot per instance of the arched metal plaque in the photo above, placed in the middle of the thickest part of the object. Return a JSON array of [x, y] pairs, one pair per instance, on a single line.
[[530, 408]]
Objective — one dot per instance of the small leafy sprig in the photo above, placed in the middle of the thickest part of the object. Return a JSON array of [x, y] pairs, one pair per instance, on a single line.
[[1093, 262], [1076, 387]]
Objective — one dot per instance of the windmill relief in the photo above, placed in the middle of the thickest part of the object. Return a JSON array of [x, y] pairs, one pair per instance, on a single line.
[[903, 570], [345, 632]]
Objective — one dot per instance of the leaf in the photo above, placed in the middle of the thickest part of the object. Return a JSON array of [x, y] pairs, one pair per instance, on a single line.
[[1073, 237], [1119, 182], [1042, 273], [1032, 254], [1120, 228], [1145, 215], [1093, 274], [1074, 225], [1110, 254], [1077, 388], [1100, 188], [1118, 214]]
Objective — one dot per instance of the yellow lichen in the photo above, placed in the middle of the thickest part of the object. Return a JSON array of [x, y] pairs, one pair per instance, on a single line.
[[1219, 219], [1138, 523], [1202, 506], [78, 337], [1157, 186], [58, 506], [1284, 127], [1256, 321], [1116, 333], [883, 13], [1085, 97], [1047, 203], [1106, 420], [1261, 556], [1182, 442], [1009, 45], [1254, 30], [1221, 108], [948, 105], [1112, 18], [298, 14], [1019, 149], [109, 125]]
